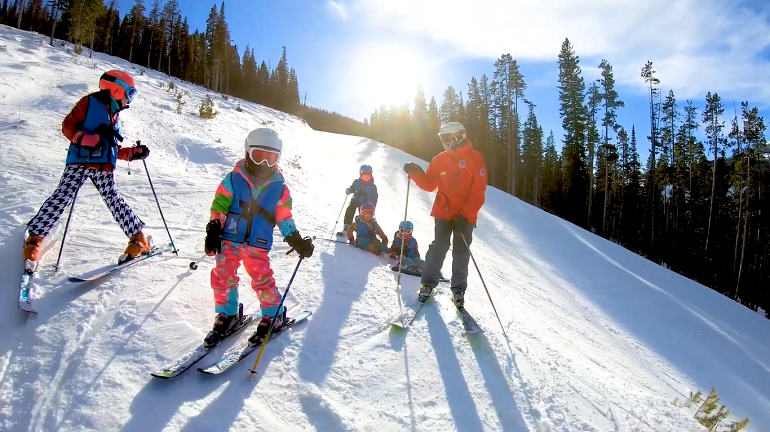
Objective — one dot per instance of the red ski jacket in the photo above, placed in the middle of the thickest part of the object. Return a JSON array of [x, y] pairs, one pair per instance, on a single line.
[[461, 178]]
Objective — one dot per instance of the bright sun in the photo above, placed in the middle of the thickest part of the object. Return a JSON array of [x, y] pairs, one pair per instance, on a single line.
[[388, 74]]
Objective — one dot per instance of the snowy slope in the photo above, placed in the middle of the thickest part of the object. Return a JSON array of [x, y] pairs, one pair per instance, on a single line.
[[600, 339]]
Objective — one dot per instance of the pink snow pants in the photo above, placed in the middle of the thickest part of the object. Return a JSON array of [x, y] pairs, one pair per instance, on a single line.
[[224, 277]]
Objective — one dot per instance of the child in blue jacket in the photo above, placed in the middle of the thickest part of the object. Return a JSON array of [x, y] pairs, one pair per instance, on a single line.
[[411, 258], [364, 191]]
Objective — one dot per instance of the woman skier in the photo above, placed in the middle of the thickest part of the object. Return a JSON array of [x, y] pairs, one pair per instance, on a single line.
[[93, 128], [249, 202]]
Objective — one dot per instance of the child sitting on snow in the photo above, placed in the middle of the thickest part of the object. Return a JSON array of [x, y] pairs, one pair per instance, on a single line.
[[411, 257], [367, 229]]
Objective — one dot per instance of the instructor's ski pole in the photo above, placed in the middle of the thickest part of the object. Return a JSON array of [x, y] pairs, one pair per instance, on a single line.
[[253, 370], [485, 285], [158, 203], [334, 230], [401, 256]]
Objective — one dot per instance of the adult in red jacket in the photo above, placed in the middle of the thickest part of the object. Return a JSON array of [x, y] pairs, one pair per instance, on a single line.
[[460, 175]]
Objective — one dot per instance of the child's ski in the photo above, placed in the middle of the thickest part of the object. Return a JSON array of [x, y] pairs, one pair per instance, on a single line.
[[185, 362], [242, 350]]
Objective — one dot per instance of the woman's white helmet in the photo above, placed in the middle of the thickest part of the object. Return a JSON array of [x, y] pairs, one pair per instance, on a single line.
[[451, 134], [263, 140]]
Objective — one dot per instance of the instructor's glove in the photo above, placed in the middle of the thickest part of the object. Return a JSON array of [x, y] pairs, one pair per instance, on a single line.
[[303, 246], [412, 168], [213, 237]]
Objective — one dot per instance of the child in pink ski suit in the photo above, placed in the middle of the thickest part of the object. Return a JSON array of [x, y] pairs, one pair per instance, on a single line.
[[249, 202]]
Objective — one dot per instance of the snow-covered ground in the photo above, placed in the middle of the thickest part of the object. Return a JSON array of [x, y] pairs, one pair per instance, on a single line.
[[600, 339]]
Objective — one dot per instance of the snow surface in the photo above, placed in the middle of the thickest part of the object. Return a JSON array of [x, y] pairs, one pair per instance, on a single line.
[[600, 339]]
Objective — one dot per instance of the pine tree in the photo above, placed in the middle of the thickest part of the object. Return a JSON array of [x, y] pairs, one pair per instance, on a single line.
[[711, 116], [611, 102], [592, 139], [573, 114], [649, 78]]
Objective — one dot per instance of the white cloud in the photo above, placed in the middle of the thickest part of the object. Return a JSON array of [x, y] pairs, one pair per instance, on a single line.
[[338, 9], [696, 46]]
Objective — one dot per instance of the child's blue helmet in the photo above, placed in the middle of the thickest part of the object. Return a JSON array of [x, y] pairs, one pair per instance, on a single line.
[[365, 168], [406, 224]]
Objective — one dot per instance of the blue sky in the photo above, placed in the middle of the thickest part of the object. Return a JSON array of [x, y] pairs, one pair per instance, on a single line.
[[352, 55]]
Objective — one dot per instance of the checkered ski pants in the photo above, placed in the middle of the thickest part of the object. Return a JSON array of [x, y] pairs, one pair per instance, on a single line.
[[71, 180]]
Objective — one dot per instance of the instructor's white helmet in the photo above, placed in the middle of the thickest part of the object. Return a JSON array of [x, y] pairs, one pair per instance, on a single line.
[[451, 135], [263, 146]]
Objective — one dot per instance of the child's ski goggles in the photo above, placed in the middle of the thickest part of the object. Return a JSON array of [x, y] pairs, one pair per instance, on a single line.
[[261, 155]]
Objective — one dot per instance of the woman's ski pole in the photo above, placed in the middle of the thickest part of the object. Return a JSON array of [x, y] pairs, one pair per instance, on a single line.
[[158, 203]]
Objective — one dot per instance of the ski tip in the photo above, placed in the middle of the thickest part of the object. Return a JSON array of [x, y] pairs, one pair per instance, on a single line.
[[253, 371]]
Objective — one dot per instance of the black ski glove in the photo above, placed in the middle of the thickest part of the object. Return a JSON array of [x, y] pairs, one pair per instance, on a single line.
[[303, 246], [461, 223], [139, 152], [412, 168], [213, 237]]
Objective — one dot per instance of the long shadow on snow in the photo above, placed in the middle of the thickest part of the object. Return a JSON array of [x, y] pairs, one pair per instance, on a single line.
[[693, 327], [73, 366], [344, 281], [459, 398], [222, 412], [32, 355], [321, 415], [508, 411], [146, 417]]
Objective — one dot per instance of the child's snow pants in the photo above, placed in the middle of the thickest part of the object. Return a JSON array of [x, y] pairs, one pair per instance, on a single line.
[[224, 278]]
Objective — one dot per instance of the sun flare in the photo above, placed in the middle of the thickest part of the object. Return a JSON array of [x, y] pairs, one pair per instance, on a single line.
[[388, 74]]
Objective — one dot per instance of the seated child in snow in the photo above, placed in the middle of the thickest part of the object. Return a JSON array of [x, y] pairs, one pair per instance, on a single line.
[[411, 257], [367, 229]]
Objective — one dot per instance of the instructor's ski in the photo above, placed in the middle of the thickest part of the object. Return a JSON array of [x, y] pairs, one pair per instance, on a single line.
[[242, 350], [468, 322], [155, 251], [410, 312], [185, 362]]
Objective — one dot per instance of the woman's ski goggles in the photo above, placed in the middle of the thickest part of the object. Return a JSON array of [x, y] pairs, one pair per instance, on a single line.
[[261, 155]]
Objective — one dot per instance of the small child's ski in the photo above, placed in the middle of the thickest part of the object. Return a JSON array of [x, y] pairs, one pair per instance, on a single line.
[[155, 251], [26, 283], [413, 271], [185, 362], [242, 350]]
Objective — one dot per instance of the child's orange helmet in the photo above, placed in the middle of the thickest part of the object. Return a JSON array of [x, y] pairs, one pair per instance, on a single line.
[[119, 83]]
